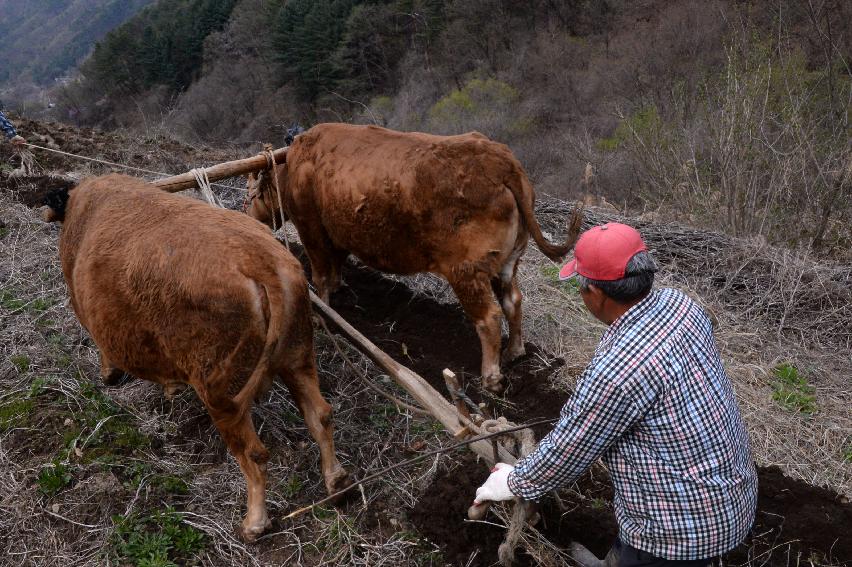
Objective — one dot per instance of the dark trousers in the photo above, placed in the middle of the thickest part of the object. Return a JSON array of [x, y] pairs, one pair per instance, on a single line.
[[624, 555]]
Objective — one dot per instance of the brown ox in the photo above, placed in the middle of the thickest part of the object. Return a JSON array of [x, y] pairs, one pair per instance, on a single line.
[[173, 290], [457, 206]]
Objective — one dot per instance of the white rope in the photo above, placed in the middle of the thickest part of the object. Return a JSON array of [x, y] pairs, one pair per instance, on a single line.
[[270, 158], [112, 163], [203, 182], [524, 444]]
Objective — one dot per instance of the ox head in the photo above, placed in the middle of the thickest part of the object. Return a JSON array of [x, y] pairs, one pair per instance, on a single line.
[[261, 201], [56, 201]]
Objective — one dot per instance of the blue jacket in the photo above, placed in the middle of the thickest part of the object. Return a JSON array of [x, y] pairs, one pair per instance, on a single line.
[[7, 127]]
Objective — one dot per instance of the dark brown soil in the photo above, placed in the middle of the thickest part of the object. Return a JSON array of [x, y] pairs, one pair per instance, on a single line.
[[428, 336], [795, 522]]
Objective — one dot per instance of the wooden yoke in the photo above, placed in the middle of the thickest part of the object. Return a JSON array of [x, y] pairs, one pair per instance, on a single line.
[[220, 171]]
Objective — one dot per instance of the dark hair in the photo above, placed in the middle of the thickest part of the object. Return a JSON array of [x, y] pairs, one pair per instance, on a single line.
[[57, 200], [637, 281]]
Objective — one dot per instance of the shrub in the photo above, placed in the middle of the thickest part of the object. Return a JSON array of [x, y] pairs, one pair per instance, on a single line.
[[485, 105]]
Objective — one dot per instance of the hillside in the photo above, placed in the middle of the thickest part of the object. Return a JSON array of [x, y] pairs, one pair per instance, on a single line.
[[43, 40], [741, 125]]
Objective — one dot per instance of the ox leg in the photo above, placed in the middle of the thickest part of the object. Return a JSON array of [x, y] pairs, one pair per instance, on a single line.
[[252, 456], [509, 295], [303, 384], [475, 297], [326, 265]]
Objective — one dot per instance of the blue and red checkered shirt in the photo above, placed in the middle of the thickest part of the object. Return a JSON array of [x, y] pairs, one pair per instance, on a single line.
[[656, 404]]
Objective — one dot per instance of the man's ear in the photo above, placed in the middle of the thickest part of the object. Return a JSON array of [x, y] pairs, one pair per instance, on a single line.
[[596, 296]]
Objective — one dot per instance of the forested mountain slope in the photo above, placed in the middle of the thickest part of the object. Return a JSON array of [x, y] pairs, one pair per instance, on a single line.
[[42, 39], [732, 115]]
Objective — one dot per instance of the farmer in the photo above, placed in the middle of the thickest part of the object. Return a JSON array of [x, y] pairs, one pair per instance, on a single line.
[[9, 131], [656, 404]]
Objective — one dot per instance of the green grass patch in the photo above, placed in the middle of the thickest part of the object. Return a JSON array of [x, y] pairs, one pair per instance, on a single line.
[[382, 416], [64, 360], [792, 391], [41, 304], [102, 430], [847, 454], [53, 477], [291, 417], [426, 427], [293, 486], [15, 411], [55, 339], [141, 471], [9, 301], [338, 532], [21, 362], [551, 274], [161, 539]]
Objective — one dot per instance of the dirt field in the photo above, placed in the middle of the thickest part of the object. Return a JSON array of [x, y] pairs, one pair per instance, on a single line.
[[92, 475]]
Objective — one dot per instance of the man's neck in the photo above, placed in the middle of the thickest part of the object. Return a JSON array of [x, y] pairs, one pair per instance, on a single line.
[[613, 310]]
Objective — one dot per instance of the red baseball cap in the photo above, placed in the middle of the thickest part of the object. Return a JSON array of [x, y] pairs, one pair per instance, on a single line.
[[602, 252]]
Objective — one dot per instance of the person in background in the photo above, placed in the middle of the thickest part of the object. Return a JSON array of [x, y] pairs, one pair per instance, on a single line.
[[9, 131], [656, 404]]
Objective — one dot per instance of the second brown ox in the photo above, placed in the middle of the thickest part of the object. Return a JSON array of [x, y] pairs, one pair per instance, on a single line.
[[457, 206], [175, 291]]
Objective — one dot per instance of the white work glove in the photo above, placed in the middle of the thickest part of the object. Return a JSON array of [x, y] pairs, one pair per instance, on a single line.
[[496, 487], [18, 140]]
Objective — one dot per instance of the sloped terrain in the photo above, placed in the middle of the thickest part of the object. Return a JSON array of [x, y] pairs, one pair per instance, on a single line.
[[91, 475]]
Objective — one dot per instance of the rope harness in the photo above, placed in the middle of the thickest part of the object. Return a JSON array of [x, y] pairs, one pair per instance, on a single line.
[[114, 164], [203, 182], [270, 165]]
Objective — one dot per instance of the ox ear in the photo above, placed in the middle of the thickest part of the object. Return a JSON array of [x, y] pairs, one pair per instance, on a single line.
[[56, 201]]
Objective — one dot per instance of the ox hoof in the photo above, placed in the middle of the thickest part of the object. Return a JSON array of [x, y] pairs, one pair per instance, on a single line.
[[116, 377], [249, 534], [493, 383], [336, 482], [512, 354]]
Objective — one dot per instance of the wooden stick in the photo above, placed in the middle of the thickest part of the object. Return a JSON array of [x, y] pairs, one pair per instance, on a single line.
[[453, 386], [220, 171], [413, 383]]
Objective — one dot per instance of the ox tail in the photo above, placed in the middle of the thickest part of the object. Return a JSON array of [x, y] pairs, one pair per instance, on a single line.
[[525, 197], [275, 331]]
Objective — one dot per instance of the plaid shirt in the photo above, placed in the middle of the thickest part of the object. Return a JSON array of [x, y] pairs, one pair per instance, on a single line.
[[7, 127], [656, 403]]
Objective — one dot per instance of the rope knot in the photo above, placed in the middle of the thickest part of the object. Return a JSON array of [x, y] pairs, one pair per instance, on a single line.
[[203, 183]]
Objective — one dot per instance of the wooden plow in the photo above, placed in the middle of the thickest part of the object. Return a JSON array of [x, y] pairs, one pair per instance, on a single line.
[[461, 418]]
